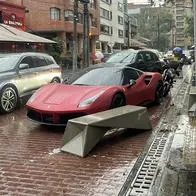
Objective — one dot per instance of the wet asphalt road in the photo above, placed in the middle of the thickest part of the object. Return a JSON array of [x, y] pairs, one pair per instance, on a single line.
[[31, 164]]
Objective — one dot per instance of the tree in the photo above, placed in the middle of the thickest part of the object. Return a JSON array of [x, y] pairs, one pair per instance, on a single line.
[[155, 24], [189, 26]]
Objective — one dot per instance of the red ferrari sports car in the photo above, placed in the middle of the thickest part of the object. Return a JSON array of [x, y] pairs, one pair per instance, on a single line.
[[93, 90]]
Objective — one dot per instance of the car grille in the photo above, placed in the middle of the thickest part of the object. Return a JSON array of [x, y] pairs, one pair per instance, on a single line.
[[52, 118]]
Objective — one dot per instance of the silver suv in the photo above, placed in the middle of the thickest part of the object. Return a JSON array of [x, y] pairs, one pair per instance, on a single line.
[[22, 73]]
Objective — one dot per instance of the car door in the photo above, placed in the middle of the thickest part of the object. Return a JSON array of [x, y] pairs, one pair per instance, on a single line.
[[47, 71], [27, 78], [41, 69], [138, 93], [133, 93]]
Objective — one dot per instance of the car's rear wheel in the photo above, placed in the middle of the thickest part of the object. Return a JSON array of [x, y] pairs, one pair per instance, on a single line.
[[8, 99], [56, 80], [159, 93], [118, 100]]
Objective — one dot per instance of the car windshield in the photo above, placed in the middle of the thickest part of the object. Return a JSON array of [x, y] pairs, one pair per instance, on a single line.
[[100, 77], [8, 62], [122, 57]]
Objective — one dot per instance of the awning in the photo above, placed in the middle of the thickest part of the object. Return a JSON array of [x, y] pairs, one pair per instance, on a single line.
[[11, 34], [135, 42]]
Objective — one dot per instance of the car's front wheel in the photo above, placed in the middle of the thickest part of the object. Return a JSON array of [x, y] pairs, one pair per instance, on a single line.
[[118, 101], [159, 93], [56, 80], [8, 99]]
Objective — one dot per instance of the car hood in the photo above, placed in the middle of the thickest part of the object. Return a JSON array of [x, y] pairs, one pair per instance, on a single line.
[[63, 97], [5, 75]]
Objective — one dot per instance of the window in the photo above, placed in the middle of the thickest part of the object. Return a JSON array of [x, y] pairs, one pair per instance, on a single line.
[[92, 20], [49, 60], [139, 57], [55, 13], [93, 4], [68, 15], [180, 24], [180, 12], [39, 61], [180, 18], [120, 6], [107, 1], [27, 60], [130, 74], [106, 29], [120, 33], [148, 57], [105, 14], [120, 20]]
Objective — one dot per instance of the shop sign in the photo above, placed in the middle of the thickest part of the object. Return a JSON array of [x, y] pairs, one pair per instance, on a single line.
[[13, 20]]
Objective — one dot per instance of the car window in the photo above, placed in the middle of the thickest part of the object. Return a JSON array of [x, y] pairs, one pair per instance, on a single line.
[[128, 75], [139, 57], [39, 61], [148, 57], [49, 60], [155, 57], [126, 56], [100, 77], [27, 60]]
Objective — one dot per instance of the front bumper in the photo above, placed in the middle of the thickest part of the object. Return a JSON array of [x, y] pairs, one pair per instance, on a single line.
[[58, 119]]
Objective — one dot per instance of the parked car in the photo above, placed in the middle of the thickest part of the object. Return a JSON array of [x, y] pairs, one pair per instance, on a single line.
[[95, 89], [22, 73], [142, 59]]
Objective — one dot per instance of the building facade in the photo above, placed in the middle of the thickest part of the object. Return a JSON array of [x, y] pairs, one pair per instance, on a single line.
[[54, 18], [12, 15], [111, 25], [182, 8]]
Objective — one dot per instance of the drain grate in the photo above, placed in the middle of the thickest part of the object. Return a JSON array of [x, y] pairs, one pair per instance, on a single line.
[[147, 171]]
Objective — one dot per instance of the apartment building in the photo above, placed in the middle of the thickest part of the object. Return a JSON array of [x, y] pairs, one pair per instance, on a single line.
[[54, 18], [111, 25], [182, 8]]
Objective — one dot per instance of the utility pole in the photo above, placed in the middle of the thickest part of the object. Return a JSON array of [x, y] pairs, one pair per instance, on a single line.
[[86, 34], [128, 32], [158, 32], [194, 67], [75, 36]]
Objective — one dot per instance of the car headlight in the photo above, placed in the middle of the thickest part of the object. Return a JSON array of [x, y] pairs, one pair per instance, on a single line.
[[91, 99]]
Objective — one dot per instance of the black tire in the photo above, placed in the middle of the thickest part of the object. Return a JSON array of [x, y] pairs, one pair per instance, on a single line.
[[159, 94], [8, 99], [117, 101], [56, 80]]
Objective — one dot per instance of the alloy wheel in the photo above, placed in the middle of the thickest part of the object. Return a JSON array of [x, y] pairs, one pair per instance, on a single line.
[[8, 99]]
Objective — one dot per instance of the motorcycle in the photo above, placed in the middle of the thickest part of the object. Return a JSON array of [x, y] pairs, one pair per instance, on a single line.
[[168, 79]]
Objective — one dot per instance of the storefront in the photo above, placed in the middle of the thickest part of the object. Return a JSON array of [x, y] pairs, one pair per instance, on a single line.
[[12, 15]]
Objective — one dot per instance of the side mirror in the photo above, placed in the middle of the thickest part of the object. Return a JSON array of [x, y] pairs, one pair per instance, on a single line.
[[132, 82], [23, 66]]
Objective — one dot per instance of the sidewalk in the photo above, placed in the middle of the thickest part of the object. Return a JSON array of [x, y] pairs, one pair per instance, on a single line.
[[167, 167]]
